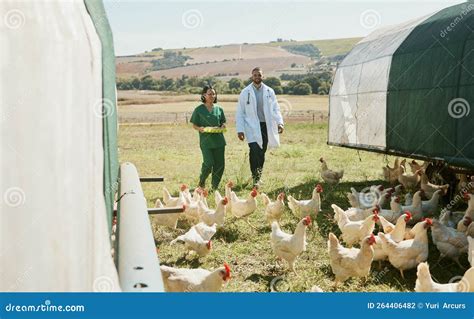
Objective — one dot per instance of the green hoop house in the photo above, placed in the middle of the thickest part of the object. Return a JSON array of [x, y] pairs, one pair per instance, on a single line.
[[408, 90]]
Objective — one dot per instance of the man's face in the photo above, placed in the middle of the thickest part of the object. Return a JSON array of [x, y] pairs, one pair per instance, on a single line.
[[257, 77]]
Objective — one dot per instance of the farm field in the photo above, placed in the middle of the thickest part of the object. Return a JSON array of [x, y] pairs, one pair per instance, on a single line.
[[172, 151], [235, 59]]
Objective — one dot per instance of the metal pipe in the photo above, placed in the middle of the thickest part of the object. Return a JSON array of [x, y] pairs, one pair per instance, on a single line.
[[166, 210], [152, 179], [139, 266]]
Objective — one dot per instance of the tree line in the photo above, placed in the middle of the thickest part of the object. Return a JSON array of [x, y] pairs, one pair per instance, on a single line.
[[294, 84]]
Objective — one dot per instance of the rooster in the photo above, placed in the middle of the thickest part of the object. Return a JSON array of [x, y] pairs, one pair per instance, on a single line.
[[450, 242], [301, 208], [431, 188], [354, 231], [424, 283], [287, 246], [407, 254], [194, 280], [274, 210], [329, 176], [198, 239], [211, 216], [243, 208], [350, 262]]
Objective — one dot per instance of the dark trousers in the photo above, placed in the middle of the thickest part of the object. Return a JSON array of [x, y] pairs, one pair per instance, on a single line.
[[213, 161], [257, 154]]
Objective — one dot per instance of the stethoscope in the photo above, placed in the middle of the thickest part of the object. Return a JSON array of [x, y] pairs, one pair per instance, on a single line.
[[248, 96]]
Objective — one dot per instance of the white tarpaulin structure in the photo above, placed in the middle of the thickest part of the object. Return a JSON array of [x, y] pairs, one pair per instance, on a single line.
[[53, 222]]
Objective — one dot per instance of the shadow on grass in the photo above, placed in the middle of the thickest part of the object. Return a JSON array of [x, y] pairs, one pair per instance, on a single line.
[[228, 235]]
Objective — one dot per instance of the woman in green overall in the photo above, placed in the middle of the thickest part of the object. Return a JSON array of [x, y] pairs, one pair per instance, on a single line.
[[207, 117]]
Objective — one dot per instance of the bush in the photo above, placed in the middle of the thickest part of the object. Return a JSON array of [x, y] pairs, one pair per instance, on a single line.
[[278, 90], [302, 89], [272, 82]]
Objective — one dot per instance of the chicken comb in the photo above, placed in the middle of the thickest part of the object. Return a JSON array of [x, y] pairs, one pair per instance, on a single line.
[[227, 270], [209, 245], [307, 220], [428, 221], [319, 188], [225, 200], [183, 187], [408, 214]]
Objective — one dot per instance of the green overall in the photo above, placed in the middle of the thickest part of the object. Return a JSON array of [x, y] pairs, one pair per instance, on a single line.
[[212, 144]]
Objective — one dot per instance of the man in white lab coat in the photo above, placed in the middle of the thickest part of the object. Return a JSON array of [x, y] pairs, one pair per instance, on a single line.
[[258, 118]]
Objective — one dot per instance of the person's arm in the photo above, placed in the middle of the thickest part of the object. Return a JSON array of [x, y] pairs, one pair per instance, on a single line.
[[198, 128], [239, 118], [223, 119], [277, 114], [195, 120]]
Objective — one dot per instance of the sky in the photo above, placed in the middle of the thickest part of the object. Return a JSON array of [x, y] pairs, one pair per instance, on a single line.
[[141, 25]]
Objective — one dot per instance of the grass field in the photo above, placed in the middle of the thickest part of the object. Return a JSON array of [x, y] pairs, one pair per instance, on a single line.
[[173, 152], [151, 106]]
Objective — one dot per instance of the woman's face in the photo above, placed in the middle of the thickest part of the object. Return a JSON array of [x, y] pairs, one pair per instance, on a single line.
[[210, 96]]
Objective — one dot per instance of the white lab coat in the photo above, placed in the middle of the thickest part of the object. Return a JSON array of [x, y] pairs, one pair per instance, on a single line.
[[246, 118]]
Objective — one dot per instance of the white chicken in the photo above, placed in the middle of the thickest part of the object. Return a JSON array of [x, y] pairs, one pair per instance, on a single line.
[[354, 231], [213, 216], [289, 246], [304, 207], [329, 176], [395, 232], [350, 262], [194, 280], [243, 208], [431, 205], [197, 239], [424, 282], [375, 196], [415, 208], [415, 166], [407, 254], [451, 219], [430, 188], [450, 242], [171, 201], [169, 220], [274, 210], [356, 214], [470, 251], [391, 174], [228, 191], [410, 181]]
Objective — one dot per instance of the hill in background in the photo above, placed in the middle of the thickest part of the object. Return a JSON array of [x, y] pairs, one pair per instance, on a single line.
[[236, 60]]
